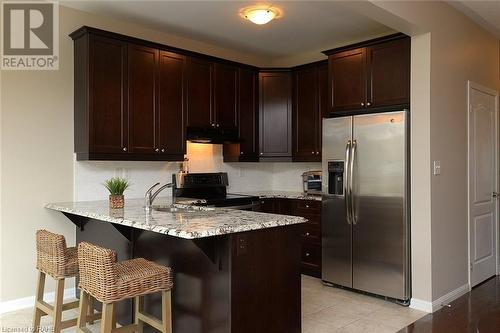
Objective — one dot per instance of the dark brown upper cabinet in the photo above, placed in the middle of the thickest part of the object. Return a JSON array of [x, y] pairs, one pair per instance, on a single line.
[[171, 101], [389, 76], [324, 109], [370, 75], [348, 80], [306, 114], [142, 85], [275, 115], [129, 99], [107, 74], [199, 103], [101, 121], [226, 93], [310, 106], [248, 149]]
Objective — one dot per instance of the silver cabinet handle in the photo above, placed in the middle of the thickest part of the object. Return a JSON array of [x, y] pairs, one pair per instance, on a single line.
[[368, 104], [307, 206], [347, 195], [262, 153], [241, 153], [307, 254], [362, 104], [124, 148], [157, 150], [217, 125], [307, 234], [351, 181], [163, 150]]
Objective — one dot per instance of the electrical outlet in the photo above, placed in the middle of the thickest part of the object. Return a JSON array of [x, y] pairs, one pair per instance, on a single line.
[[437, 168]]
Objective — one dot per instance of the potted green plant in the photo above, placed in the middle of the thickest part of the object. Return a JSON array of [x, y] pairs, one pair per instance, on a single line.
[[116, 186]]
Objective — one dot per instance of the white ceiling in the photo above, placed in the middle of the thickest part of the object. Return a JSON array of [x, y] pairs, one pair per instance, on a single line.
[[305, 27], [484, 13]]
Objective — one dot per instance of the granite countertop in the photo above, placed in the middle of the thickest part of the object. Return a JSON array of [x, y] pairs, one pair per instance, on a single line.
[[284, 194], [188, 222]]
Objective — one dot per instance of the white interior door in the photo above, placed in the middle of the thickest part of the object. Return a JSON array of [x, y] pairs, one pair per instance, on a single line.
[[483, 187]]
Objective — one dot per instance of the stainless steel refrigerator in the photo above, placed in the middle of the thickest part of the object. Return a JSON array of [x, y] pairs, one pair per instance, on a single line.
[[365, 216]]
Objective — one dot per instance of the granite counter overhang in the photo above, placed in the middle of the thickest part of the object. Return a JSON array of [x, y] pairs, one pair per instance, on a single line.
[[200, 223]]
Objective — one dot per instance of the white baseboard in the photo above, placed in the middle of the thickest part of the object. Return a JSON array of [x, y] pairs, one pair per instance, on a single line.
[[28, 302], [437, 304], [420, 305]]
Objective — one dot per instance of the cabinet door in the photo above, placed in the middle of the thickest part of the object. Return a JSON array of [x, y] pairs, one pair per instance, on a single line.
[[107, 114], [171, 115], [305, 115], [199, 93], [323, 103], [389, 73], [348, 80], [275, 114], [247, 110], [142, 78], [226, 77]]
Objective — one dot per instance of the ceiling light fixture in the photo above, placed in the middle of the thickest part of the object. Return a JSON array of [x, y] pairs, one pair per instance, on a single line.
[[260, 15]]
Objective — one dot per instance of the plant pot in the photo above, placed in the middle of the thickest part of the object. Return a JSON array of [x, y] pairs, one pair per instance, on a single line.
[[116, 201]]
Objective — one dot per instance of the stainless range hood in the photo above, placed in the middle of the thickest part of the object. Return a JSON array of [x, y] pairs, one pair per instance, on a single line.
[[212, 135]]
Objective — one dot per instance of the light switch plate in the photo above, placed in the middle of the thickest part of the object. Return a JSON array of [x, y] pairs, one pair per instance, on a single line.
[[437, 168]]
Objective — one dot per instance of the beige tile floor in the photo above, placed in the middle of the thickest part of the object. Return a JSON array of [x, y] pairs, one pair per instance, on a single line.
[[324, 310], [334, 310]]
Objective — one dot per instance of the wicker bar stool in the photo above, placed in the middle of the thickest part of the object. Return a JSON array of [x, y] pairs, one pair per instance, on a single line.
[[109, 281], [60, 262]]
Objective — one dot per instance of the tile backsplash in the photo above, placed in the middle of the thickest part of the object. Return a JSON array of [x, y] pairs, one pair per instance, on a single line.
[[89, 176]]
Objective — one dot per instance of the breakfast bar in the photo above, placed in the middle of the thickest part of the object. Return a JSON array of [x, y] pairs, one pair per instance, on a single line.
[[228, 264]]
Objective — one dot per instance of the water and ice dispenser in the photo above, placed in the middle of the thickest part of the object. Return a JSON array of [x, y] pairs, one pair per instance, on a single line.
[[336, 177]]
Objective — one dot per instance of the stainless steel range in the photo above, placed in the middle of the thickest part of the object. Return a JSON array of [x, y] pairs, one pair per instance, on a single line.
[[210, 189]]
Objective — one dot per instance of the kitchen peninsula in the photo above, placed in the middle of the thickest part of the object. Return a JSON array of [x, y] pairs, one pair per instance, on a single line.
[[227, 263]]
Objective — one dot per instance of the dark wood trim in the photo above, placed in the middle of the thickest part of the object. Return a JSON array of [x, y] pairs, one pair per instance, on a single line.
[[86, 156], [86, 29], [370, 42]]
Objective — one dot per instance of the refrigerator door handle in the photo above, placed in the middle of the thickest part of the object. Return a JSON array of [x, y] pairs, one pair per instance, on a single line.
[[347, 194], [351, 182]]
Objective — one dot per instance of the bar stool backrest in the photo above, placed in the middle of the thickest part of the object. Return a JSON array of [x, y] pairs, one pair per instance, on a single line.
[[50, 253], [97, 269]]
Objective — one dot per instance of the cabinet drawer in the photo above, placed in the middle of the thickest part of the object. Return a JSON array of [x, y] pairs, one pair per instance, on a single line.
[[307, 207], [311, 233], [311, 254]]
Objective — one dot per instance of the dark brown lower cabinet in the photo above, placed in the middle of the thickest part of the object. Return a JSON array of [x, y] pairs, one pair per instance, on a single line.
[[310, 232], [237, 283]]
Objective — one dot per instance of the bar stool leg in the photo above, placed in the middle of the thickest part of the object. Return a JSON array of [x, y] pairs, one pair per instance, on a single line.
[[107, 317], [90, 312], [166, 310], [58, 305], [40, 288], [82, 311], [138, 305]]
